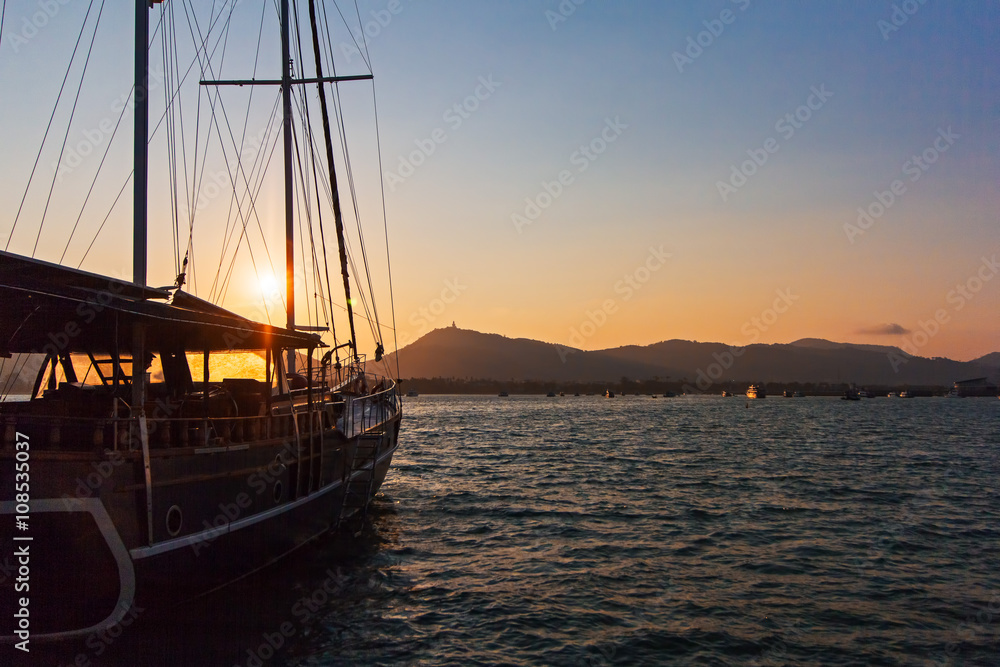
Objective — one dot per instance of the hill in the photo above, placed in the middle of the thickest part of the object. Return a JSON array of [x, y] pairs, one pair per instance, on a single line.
[[991, 360], [462, 353]]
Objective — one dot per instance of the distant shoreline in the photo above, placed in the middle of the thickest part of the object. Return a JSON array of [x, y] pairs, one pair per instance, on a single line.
[[456, 386]]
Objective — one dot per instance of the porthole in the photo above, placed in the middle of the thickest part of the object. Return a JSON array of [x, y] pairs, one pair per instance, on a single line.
[[175, 520]]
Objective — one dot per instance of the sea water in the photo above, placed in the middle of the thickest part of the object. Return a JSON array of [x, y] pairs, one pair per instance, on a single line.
[[636, 530]]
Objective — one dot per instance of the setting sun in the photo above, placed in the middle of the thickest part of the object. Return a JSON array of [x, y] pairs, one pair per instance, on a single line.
[[268, 286]]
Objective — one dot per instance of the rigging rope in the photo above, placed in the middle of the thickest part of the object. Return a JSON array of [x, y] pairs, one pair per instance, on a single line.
[[229, 231], [152, 134], [62, 149], [258, 171], [171, 131], [367, 58], [93, 183], [3, 12], [363, 50], [338, 221], [215, 121], [49, 126], [385, 226], [98, 233]]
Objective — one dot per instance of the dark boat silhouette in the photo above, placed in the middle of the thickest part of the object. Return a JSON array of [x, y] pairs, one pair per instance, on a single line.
[[151, 479]]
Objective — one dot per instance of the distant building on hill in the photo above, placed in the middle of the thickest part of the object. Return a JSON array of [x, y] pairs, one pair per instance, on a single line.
[[974, 387]]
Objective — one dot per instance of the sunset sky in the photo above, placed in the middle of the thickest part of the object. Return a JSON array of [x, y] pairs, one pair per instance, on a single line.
[[598, 174]]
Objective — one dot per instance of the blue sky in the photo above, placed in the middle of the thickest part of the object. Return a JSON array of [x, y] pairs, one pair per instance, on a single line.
[[555, 85]]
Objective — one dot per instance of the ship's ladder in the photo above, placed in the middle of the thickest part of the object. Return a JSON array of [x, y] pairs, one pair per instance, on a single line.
[[361, 482]]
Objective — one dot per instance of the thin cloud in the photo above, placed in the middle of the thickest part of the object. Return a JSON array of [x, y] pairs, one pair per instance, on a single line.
[[891, 329]]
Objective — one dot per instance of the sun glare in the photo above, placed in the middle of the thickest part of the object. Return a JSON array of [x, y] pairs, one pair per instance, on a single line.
[[268, 286]]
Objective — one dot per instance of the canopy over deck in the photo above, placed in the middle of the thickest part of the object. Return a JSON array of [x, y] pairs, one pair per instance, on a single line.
[[49, 308]]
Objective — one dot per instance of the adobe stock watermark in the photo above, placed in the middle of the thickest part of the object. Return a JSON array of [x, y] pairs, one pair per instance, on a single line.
[[626, 288], [304, 609], [978, 626], [423, 320], [566, 9], [226, 180], [786, 126], [900, 14], [714, 28], [914, 167], [581, 158], [454, 116], [262, 479], [957, 298], [752, 329], [94, 137], [372, 29], [36, 22], [99, 641], [777, 650]]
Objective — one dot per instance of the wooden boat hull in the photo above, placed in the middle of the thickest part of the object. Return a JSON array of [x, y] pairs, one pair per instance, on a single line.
[[91, 564]]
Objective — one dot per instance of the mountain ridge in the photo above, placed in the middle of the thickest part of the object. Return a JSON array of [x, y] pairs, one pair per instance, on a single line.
[[466, 353]]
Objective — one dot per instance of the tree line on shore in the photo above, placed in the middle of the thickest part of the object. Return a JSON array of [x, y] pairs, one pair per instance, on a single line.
[[624, 385]]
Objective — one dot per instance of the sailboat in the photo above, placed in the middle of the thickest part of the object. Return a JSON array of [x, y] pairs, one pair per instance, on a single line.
[[132, 473]]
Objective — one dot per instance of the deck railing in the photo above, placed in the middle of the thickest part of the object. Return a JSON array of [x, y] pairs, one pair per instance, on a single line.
[[352, 413]]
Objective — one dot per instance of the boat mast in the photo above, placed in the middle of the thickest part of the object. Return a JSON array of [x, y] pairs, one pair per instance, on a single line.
[[286, 97], [140, 195], [337, 215], [286, 82], [140, 143], [140, 432]]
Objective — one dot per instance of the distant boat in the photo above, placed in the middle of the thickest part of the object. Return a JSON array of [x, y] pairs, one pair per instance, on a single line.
[[756, 391], [851, 395], [412, 393], [551, 394], [975, 387], [864, 393], [503, 394], [609, 394], [669, 394], [893, 394], [726, 394], [787, 393], [906, 394], [798, 394]]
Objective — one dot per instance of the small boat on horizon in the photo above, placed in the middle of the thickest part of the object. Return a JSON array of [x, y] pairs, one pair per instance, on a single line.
[[756, 391]]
